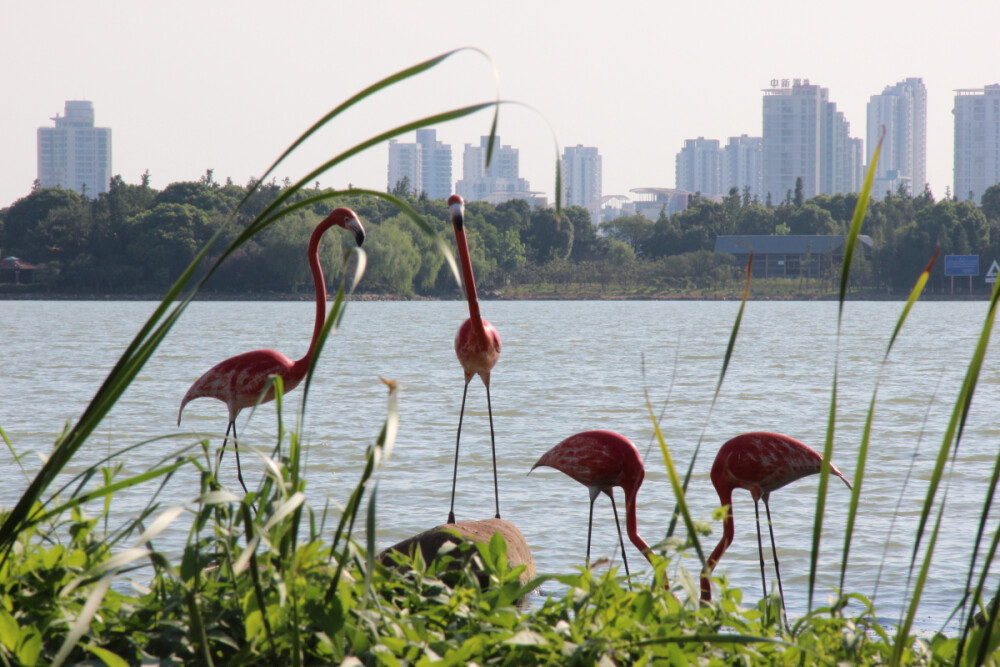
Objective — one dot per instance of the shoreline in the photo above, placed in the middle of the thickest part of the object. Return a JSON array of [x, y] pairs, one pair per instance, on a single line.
[[487, 296]]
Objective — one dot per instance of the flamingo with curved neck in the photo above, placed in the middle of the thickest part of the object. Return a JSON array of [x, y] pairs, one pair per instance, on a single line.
[[244, 380], [602, 460], [759, 462]]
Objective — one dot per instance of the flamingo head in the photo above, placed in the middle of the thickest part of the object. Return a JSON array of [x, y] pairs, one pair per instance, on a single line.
[[348, 219], [456, 205]]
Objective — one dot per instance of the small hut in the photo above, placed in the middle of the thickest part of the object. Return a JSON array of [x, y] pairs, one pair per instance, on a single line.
[[14, 270]]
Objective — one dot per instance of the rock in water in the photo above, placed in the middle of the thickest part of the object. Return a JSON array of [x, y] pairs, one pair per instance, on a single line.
[[430, 541]]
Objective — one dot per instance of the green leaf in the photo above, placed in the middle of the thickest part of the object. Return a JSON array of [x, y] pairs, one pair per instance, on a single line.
[[110, 659], [29, 646], [9, 630]]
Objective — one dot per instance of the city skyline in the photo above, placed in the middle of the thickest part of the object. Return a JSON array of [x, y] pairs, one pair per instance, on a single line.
[[213, 103]]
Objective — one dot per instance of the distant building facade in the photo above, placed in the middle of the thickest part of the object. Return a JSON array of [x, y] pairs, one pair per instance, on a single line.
[[435, 164], [501, 182], [977, 141], [404, 166], [705, 167], [699, 167], [902, 110], [581, 175], [804, 136], [426, 165], [74, 154], [743, 165]]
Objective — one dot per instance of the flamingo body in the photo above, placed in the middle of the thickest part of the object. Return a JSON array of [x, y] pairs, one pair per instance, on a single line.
[[239, 381], [477, 346], [242, 381], [602, 460], [477, 352], [759, 462]]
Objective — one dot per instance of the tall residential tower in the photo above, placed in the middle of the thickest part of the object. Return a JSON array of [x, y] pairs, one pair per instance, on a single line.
[[902, 110], [426, 165], [806, 137], [74, 154], [581, 177], [977, 141]]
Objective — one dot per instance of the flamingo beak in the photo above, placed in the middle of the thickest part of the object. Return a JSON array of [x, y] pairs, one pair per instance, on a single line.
[[457, 215], [353, 225]]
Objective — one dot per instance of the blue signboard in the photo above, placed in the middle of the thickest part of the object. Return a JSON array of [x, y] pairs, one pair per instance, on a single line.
[[961, 265]]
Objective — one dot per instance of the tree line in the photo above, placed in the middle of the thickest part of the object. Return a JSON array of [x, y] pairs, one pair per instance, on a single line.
[[136, 239]]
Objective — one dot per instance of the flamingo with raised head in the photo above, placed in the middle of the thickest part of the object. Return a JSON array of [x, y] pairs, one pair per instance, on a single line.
[[477, 346], [759, 462], [602, 460], [240, 381]]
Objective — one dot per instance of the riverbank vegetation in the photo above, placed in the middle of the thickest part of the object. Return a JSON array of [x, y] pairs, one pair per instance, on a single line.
[[280, 577], [138, 240]]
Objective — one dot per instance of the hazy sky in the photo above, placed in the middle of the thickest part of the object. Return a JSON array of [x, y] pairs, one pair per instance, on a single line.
[[217, 84]]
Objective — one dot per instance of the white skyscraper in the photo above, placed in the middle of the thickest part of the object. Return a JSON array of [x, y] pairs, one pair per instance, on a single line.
[[806, 137], [404, 164], [742, 165], [435, 165], [74, 154], [426, 164], [699, 167], [581, 175], [902, 110], [977, 141], [498, 183]]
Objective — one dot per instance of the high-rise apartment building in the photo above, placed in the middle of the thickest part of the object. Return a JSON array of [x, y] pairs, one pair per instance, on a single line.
[[498, 183], [404, 166], [977, 141], [426, 165], [902, 110], [699, 167], [74, 154], [435, 165], [806, 137], [742, 165], [581, 175]]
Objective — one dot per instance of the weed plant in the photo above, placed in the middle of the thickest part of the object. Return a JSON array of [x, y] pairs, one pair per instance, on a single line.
[[270, 579]]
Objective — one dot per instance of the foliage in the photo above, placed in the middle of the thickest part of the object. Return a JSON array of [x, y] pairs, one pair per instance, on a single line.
[[256, 583]]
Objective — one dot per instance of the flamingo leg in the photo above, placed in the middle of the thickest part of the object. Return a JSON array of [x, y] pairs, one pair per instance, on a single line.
[[493, 447], [236, 449], [621, 541], [774, 551], [760, 545], [458, 439], [590, 522]]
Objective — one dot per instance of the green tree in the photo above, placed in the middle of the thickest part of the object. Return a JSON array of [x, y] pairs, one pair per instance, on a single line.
[[990, 202], [547, 238], [393, 259], [55, 207], [634, 230], [620, 253]]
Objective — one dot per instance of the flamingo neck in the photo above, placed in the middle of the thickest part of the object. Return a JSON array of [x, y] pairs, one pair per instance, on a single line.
[[632, 527], [728, 531], [319, 283], [469, 279]]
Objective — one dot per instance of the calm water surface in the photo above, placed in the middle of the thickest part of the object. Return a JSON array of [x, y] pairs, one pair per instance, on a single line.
[[565, 367]]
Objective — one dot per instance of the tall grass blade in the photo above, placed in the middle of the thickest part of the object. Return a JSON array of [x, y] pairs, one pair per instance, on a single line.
[[859, 470], [675, 482], [367, 92], [718, 385], [845, 273], [949, 444]]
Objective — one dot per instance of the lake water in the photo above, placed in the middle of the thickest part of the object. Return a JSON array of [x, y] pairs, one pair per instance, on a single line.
[[565, 367]]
